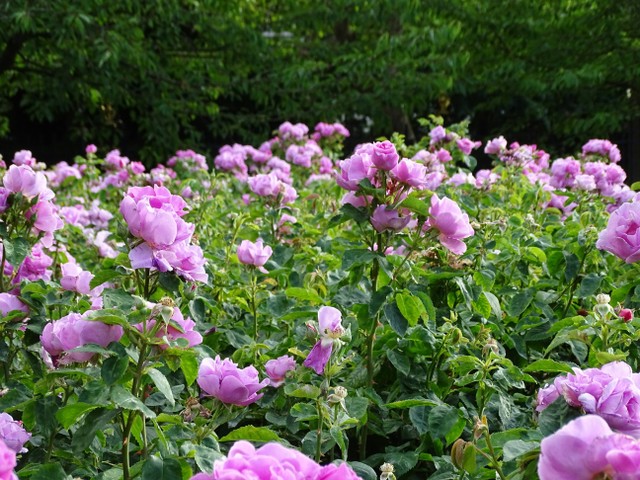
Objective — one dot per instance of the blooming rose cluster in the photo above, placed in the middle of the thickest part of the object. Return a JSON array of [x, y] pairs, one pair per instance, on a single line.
[[72, 331], [611, 391], [380, 164], [273, 461], [604, 148], [120, 171], [154, 215], [188, 161], [586, 448], [263, 167], [24, 180], [222, 379]]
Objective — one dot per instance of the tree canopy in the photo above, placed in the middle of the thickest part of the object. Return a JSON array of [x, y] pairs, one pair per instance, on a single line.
[[158, 76]]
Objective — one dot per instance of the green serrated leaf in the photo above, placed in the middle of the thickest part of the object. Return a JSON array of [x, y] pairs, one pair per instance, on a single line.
[[68, 414], [302, 391], [307, 294], [125, 399], [253, 434], [547, 365], [162, 384]]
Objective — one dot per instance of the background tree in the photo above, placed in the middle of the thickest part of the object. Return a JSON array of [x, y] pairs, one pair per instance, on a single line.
[[153, 77]]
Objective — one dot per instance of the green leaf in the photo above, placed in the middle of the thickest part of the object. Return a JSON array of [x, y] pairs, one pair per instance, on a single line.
[[416, 205], [556, 415], [606, 357], [50, 471], [16, 250], [205, 457], [516, 448], [410, 307], [396, 319], [114, 368], [446, 422], [162, 384], [399, 361], [94, 421], [519, 303], [46, 408], [338, 436], [302, 391], [589, 285], [469, 458], [156, 468], [104, 276], [125, 399], [359, 256], [547, 365], [494, 303], [412, 402], [108, 317], [198, 310], [68, 414], [364, 471], [189, 366], [307, 294], [482, 306], [118, 299], [253, 434]]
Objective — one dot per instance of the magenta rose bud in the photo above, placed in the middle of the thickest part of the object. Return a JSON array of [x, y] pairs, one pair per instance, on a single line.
[[223, 380], [277, 369], [626, 314], [255, 254], [622, 234], [385, 156], [451, 222], [91, 148]]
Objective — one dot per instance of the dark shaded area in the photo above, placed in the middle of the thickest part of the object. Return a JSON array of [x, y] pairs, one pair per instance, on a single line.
[[151, 79]]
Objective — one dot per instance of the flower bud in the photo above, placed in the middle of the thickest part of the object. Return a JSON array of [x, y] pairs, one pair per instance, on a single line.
[[603, 299], [387, 472], [457, 453], [338, 395], [626, 314], [480, 428]]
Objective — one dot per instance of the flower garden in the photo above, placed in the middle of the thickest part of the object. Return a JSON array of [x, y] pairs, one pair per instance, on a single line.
[[292, 310]]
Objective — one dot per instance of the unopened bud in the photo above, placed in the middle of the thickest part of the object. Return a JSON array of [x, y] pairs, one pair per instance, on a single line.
[[338, 395], [387, 472], [480, 428], [491, 346], [457, 453], [626, 314]]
